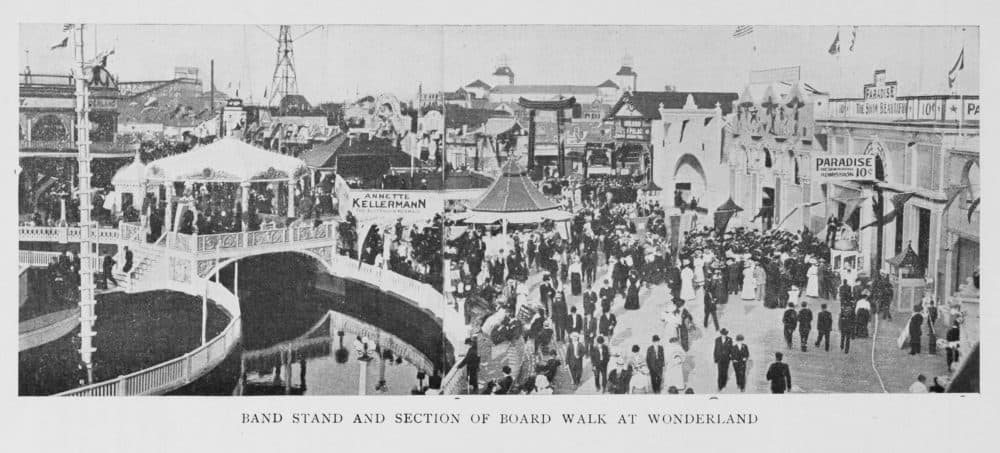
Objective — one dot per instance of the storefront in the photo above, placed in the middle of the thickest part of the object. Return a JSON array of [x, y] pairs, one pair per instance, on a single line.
[[927, 154]]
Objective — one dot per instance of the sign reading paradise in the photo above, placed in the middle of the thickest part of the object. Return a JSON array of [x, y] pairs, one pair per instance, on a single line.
[[389, 205], [844, 168]]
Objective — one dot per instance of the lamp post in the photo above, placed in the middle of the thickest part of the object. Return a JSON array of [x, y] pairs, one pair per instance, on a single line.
[[87, 255]]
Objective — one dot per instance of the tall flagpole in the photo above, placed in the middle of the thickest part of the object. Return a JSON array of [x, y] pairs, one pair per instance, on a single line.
[[87, 255]]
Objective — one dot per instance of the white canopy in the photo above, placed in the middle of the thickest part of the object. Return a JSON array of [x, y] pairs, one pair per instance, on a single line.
[[226, 160], [131, 175]]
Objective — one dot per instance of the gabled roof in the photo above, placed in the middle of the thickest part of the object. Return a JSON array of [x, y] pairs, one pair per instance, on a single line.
[[647, 103], [608, 84], [321, 155], [478, 84]]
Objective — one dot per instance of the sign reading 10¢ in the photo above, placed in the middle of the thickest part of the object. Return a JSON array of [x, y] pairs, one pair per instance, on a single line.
[[844, 168]]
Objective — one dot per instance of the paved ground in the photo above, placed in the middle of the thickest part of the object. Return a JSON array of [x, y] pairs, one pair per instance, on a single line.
[[814, 371]]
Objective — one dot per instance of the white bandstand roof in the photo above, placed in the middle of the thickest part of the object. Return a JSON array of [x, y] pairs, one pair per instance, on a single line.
[[226, 160], [131, 175]]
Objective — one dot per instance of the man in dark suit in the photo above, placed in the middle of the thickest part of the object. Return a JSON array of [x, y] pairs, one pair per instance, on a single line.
[[505, 383], [590, 330], [721, 354], [546, 292], [606, 325], [607, 294], [560, 317], [845, 323], [824, 324], [846, 295], [916, 321], [574, 358], [575, 322], [710, 308], [128, 261], [655, 361], [600, 354], [589, 301], [789, 320], [471, 361], [108, 264], [740, 355], [805, 325], [674, 281], [779, 375]]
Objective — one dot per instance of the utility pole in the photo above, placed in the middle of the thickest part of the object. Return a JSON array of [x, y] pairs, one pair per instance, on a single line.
[[87, 255]]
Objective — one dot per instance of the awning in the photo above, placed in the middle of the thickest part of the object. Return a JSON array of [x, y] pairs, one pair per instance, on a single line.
[[321, 155]]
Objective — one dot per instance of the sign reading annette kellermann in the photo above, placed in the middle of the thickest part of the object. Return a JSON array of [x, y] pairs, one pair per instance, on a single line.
[[386, 205], [855, 168]]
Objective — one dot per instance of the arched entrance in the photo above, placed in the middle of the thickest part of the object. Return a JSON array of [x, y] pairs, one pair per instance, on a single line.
[[689, 179]]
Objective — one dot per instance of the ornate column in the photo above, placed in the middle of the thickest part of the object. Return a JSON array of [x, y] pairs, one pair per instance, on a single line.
[[291, 197], [244, 202]]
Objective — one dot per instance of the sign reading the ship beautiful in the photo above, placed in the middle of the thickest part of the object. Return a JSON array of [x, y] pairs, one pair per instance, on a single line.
[[854, 168], [386, 205]]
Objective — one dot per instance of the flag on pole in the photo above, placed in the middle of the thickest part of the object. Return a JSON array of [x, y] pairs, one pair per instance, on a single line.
[[742, 30], [67, 27], [956, 69], [854, 37], [972, 208], [63, 43], [724, 213], [835, 47], [794, 210], [898, 201]]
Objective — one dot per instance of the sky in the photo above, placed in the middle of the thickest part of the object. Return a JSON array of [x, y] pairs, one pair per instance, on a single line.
[[338, 62]]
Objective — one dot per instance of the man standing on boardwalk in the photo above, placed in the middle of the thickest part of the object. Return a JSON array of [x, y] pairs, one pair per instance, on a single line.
[[779, 375], [789, 320], [723, 349], [805, 325], [655, 362], [600, 355], [471, 362], [916, 331], [845, 323], [824, 324], [740, 355], [574, 358], [710, 309]]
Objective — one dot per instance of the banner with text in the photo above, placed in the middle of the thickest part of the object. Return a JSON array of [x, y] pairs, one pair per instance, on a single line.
[[844, 168], [389, 205]]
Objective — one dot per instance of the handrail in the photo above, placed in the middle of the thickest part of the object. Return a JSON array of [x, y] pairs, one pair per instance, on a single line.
[[181, 370], [41, 259]]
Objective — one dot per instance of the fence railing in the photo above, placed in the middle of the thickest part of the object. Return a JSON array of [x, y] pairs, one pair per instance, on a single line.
[[182, 370], [63, 234], [41, 259], [262, 238]]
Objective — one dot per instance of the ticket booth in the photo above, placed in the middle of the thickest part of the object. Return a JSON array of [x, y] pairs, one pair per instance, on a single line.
[[907, 276]]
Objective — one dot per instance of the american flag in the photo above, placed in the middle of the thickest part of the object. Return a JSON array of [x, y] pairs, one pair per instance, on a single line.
[[742, 30]]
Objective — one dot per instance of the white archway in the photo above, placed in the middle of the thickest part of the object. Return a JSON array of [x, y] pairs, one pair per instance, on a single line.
[[689, 171]]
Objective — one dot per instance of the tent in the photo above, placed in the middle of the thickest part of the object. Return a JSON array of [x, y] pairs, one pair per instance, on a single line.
[[131, 179], [512, 198], [226, 160]]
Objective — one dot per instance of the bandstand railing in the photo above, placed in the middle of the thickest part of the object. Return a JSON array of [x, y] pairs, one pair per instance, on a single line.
[[177, 372]]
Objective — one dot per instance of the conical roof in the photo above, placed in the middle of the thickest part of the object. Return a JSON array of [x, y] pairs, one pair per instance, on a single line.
[[513, 192], [729, 206]]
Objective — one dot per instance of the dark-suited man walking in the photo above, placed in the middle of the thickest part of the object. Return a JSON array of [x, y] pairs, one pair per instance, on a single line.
[[740, 355], [805, 325], [779, 375], [655, 361], [574, 358], [916, 321], [789, 320], [824, 324], [600, 355], [723, 349]]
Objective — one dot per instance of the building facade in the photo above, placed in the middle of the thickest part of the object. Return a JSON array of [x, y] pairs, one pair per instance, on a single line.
[[770, 140], [927, 149]]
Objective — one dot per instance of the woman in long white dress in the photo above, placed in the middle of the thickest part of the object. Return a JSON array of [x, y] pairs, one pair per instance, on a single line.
[[687, 283], [749, 283], [812, 280]]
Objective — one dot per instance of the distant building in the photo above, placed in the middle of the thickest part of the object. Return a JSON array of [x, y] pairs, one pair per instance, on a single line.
[[168, 108]]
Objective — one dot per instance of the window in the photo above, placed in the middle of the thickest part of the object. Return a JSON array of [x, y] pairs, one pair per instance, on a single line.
[[927, 168], [684, 125], [894, 167], [767, 158]]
